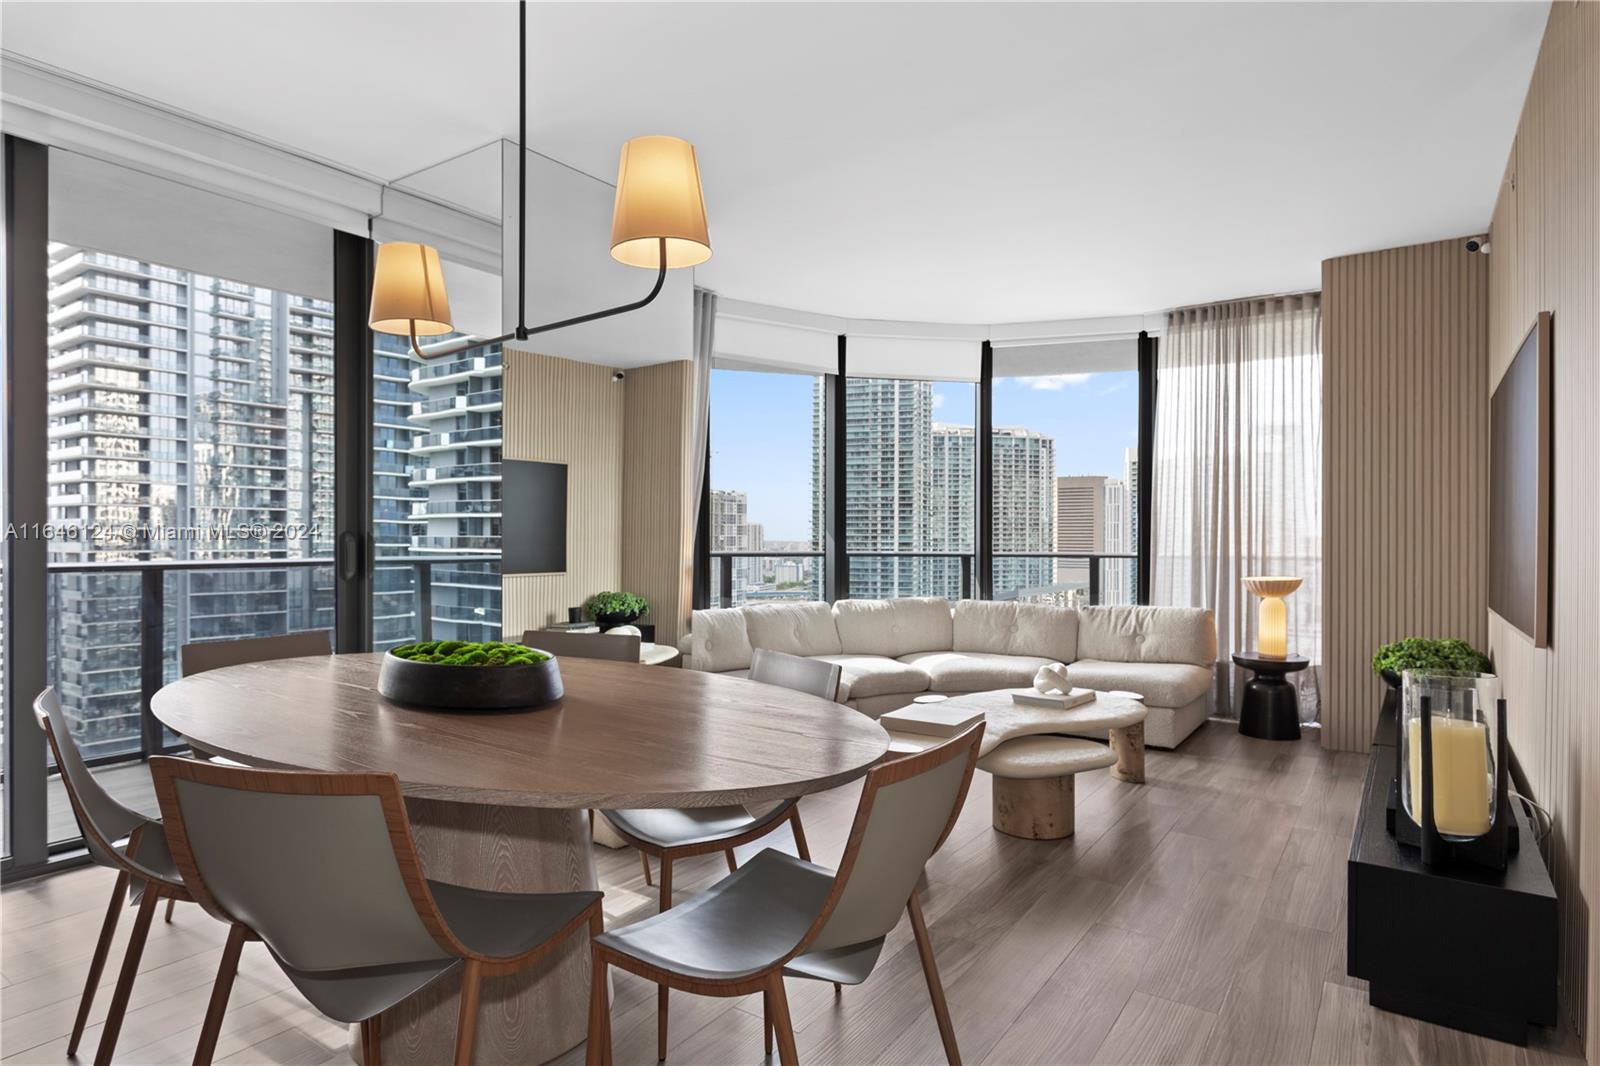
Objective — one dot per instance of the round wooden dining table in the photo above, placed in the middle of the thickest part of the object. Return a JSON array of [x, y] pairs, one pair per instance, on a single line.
[[499, 799]]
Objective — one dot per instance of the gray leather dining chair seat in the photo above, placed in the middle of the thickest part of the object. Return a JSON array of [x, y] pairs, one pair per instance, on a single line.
[[352, 995], [492, 923], [667, 827], [504, 924], [742, 925]]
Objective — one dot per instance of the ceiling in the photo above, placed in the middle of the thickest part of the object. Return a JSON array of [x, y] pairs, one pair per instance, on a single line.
[[940, 162]]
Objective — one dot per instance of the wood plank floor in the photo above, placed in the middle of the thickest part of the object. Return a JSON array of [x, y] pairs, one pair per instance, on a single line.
[[1198, 918]]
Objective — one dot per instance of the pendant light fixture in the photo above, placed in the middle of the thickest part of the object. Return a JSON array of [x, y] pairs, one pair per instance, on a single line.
[[658, 222]]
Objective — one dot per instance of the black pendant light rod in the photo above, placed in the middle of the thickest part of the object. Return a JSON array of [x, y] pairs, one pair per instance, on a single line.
[[523, 330]]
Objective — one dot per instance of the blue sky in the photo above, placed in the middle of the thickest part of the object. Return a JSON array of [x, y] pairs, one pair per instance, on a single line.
[[761, 432]]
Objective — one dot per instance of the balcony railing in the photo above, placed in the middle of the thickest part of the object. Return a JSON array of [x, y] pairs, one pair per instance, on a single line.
[[82, 641], [724, 561]]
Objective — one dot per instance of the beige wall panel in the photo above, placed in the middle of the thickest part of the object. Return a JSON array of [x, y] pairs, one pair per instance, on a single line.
[[658, 519], [560, 411], [1546, 257], [1405, 464]]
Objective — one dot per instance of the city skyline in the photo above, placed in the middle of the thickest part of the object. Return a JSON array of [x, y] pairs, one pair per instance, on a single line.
[[1092, 417], [185, 402]]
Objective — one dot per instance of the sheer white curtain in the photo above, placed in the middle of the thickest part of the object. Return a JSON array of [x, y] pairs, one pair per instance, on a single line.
[[705, 339], [1238, 473]]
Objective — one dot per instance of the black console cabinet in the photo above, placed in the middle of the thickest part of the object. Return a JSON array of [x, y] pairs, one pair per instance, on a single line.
[[1467, 948]]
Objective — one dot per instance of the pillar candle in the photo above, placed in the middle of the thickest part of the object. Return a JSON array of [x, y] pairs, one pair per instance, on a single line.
[[1460, 775]]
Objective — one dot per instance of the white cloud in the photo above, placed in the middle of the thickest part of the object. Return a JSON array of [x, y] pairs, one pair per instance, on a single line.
[[938, 401], [1054, 382]]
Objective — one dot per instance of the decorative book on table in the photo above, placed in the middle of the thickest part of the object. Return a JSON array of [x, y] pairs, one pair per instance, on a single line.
[[1056, 701], [931, 719]]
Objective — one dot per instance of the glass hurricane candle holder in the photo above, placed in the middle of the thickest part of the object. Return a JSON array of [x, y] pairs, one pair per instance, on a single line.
[[1458, 708]]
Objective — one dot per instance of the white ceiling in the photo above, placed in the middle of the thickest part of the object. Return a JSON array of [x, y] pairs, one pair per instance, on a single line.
[[941, 162]]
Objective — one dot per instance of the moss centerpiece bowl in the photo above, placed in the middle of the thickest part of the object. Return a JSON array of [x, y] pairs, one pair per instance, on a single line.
[[465, 676]]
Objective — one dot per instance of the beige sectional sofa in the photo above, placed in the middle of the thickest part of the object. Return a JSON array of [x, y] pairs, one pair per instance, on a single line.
[[894, 650]]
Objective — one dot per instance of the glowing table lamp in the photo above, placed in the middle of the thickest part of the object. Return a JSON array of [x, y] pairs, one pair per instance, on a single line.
[[1272, 619]]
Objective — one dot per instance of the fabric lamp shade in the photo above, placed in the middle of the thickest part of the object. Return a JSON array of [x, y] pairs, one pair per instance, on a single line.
[[659, 197], [408, 293]]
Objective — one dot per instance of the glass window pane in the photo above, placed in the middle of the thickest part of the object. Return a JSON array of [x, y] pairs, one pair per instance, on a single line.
[[766, 486], [1065, 469], [909, 485], [436, 493], [190, 418]]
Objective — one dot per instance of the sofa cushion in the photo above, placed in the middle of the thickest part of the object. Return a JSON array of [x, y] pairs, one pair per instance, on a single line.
[[1161, 684], [894, 627], [1148, 635], [1009, 628], [719, 640], [975, 671], [863, 676], [795, 628]]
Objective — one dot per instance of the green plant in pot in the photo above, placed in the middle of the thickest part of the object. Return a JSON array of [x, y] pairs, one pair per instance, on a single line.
[[616, 608], [1420, 653]]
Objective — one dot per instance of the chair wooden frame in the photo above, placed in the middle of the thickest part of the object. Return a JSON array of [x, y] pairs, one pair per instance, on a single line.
[[386, 788], [786, 812], [769, 982], [156, 888]]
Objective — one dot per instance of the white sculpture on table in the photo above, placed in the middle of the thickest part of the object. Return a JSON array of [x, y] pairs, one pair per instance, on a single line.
[[1052, 680]]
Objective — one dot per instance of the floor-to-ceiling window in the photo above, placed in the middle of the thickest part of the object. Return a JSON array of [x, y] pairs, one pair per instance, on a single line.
[[1065, 448], [910, 465], [436, 494], [766, 491]]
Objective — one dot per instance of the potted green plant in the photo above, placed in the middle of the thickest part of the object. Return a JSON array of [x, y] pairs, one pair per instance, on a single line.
[[612, 609], [1420, 653]]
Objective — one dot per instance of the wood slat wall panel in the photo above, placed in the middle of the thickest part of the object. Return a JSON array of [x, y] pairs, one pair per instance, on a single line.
[[658, 526], [1546, 257], [1405, 464], [561, 411]]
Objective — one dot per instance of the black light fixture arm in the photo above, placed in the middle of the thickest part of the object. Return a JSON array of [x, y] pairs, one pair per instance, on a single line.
[[522, 333], [523, 330]]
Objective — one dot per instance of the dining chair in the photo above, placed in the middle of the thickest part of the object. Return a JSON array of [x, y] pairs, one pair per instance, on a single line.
[[778, 916], [200, 656], [322, 868], [618, 647], [121, 839], [671, 834]]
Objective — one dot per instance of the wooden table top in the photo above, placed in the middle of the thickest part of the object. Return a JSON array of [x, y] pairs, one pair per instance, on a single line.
[[625, 735]]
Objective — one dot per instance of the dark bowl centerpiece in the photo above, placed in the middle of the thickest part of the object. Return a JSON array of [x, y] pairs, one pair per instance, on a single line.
[[612, 609], [462, 675]]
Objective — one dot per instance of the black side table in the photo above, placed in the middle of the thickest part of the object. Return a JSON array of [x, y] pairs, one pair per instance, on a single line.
[[1271, 709]]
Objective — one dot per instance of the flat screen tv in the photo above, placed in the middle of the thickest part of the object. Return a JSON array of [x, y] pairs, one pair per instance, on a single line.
[[533, 523], [1519, 488]]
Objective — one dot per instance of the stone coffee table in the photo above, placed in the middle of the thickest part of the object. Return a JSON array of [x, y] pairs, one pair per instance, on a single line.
[[1033, 766]]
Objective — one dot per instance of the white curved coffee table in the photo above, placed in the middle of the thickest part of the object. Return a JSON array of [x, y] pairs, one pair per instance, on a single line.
[[1034, 765]]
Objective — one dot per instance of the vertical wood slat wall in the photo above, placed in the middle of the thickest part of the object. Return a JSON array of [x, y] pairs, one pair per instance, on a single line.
[[1405, 464], [658, 518], [1546, 257], [561, 411]]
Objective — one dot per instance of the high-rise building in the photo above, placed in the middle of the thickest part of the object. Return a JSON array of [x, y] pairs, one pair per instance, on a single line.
[[1024, 508], [888, 480], [1080, 525], [1115, 586], [910, 485], [179, 401], [732, 531], [455, 474]]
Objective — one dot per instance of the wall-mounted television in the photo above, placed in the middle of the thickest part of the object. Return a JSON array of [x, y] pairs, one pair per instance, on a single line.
[[1519, 487], [533, 522]]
